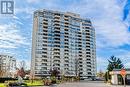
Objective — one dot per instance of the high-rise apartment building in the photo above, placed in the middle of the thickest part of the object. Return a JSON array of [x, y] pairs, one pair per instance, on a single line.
[[63, 41], [7, 65]]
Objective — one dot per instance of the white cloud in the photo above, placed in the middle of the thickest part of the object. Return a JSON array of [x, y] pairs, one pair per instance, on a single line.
[[15, 17], [33, 1], [27, 10], [10, 36], [125, 59], [106, 16]]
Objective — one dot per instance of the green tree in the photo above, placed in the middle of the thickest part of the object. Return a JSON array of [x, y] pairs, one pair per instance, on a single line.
[[114, 63], [54, 74], [21, 72]]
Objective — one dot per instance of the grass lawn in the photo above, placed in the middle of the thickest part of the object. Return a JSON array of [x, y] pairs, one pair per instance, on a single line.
[[2, 85], [35, 83]]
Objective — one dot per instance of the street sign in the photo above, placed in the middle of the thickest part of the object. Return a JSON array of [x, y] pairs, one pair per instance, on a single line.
[[123, 74]]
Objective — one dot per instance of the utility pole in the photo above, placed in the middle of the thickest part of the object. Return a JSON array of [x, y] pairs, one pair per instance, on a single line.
[[123, 74]]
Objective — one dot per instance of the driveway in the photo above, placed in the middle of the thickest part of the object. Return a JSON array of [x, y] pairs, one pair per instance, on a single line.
[[85, 84]]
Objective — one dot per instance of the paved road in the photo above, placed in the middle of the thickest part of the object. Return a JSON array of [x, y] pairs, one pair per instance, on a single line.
[[85, 84]]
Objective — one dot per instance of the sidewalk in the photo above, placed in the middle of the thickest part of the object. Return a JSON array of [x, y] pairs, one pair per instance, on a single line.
[[118, 86], [83, 84]]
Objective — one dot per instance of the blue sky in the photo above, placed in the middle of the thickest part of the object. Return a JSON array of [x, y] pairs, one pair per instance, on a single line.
[[110, 18]]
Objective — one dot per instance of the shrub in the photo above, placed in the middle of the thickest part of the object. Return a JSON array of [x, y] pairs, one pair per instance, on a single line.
[[2, 80]]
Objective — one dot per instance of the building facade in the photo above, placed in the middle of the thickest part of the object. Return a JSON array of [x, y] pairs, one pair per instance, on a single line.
[[7, 66], [63, 41]]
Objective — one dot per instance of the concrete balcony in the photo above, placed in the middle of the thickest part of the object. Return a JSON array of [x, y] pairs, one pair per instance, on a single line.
[[66, 52], [56, 62], [57, 23], [56, 65], [66, 26], [56, 33], [57, 58], [66, 58], [57, 39], [45, 26], [56, 29], [88, 27], [66, 18], [67, 63], [45, 22], [56, 16], [66, 23], [56, 20], [57, 26], [56, 54]]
